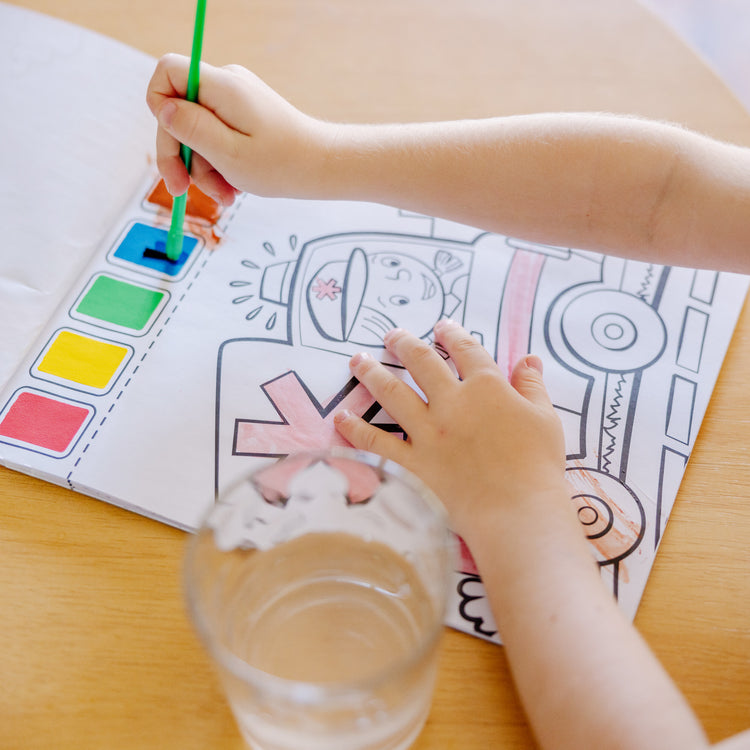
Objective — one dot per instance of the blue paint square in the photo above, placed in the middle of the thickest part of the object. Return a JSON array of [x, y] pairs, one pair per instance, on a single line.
[[141, 238]]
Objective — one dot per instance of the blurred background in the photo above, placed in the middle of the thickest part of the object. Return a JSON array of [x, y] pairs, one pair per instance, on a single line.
[[719, 31]]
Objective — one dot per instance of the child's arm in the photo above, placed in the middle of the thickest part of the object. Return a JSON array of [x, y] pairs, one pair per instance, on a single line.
[[609, 183], [493, 451]]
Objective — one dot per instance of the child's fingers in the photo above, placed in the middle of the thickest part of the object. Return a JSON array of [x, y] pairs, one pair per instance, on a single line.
[[168, 80], [425, 365], [232, 93], [198, 128], [364, 436], [176, 178], [396, 397], [170, 164], [466, 352], [526, 378], [211, 182], [218, 88]]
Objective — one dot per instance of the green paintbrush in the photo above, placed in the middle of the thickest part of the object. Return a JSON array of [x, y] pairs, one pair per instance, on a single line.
[[174, 238]]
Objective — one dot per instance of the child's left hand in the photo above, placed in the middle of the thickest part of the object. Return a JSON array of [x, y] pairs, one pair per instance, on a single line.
[[484, 444]]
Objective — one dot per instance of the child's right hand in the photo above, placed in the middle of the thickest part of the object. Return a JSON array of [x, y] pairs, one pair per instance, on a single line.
[[243, 134]]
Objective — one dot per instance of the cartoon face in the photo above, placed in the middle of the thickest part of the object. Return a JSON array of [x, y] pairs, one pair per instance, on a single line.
[[401, 292], [363, 297]]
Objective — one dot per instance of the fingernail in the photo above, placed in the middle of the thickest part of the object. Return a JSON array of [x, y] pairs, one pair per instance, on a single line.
[[225, 200], [359, 358], [392, 334], [443, 324], [167, 113], [171, 190], [341, 416], [534, 363]]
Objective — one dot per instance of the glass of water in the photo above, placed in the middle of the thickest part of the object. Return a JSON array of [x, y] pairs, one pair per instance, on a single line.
[[318, 584]]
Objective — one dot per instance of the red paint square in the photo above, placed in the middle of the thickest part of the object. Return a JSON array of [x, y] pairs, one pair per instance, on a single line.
[[42, 421]]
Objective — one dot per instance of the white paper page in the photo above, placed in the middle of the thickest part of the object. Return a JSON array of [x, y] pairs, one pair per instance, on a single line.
[[75, 137], [242, 355], [152, 384]]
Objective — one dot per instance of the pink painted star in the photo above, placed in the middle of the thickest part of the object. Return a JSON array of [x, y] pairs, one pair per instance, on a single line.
[[326, 288]]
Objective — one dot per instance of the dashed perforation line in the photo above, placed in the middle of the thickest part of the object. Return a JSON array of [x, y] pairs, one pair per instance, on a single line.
[[149, 347]]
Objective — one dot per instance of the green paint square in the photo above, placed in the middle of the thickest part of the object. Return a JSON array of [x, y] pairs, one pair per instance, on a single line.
[[120, 303]]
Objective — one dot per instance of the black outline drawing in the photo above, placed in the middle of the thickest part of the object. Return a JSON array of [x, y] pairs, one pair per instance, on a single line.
[[619, 339], [604, 332]]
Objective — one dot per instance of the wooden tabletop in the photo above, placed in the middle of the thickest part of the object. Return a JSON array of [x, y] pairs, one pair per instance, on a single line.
[[96, 651]]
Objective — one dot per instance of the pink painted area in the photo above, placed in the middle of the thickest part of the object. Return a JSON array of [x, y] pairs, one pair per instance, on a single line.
[[307, 425], [324, 289], [513, 337], [273, 481], [362, 479], [466, 561], [518, 306]]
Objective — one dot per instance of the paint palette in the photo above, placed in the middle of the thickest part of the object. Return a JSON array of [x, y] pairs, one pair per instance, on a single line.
[[110, 324]]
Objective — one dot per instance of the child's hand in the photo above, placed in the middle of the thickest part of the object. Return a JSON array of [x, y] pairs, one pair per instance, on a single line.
[[493, 451], [484, 445], [243, 134]]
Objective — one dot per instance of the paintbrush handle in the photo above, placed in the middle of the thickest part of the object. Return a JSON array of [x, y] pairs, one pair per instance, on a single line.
[[175, 235]]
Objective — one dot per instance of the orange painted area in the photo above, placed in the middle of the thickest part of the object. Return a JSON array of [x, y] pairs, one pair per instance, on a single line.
[[199, 205]]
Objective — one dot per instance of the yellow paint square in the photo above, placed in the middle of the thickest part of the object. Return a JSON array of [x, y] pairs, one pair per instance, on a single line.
[[83, 360]]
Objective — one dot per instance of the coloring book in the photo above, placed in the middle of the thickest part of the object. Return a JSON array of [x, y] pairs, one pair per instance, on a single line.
[[153, 384]]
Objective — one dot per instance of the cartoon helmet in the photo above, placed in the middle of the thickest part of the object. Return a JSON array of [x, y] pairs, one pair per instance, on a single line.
[[334, 295]]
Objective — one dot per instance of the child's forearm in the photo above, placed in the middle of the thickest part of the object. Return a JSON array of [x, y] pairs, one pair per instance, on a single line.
[[493, 450], [608, 183], [602, 182], [584, 675]]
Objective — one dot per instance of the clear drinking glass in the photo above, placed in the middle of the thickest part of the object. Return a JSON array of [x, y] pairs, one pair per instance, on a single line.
[[318, 585]]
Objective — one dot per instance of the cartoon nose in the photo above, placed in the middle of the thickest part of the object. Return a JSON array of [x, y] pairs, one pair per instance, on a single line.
[[403, 274]]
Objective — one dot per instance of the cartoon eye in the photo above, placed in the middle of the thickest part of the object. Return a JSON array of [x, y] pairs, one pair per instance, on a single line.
[[398, 299], [390, 262]]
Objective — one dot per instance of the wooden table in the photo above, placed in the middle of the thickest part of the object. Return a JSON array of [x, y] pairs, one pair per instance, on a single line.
[[96, 651]]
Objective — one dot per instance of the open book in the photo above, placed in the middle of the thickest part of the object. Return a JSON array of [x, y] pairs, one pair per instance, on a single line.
[[152, 384]]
